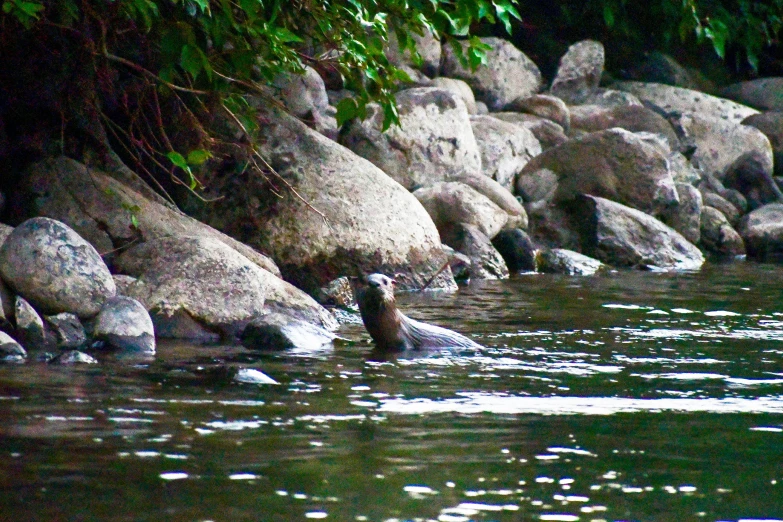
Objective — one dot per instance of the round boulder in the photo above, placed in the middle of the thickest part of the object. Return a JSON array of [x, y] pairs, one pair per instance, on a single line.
[[124, 323], [55, 269]]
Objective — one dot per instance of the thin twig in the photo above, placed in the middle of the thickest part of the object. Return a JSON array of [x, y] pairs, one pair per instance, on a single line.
[[431, 279]]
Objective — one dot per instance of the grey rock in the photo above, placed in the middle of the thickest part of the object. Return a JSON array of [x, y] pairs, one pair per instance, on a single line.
[[451, 203], [658, 67], [481, 108], [30, 327], [719, 143], [96, 203], [678, 100], [579, 72], [67, 330], [500, 196], [548, 133], [275, 332], [718, 236], [433, 142], [685, 218], [460, 88], [123, 283], [485, 261], [764, 94], [544, 106], [771, 124], [505, 148], [253, 376], [427, 46], [336, 293], [593, 118], [762, 232], [562, 261], [507, 75], [6, 306], [682, 169], [614, 164], [10, 350], [623, 236], [214, 284], [73, 357], [552, 227], [55, 269], [538, 185], [516, 248], [749, 175], [720, 203], [305, 96], [124, 323], [5, 231]]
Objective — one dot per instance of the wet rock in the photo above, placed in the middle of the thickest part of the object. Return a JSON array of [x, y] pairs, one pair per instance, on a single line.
[[433, 142], [67, 330], [10, 350], [762, 232], [485, 261], [427, 46], [718, 236], [671, 100], [253, 376], [516, 248], [73, 357], [749, 175], [623, 236], [337, 293], [96, 205], [562, 261], [719, 143], [460, 265], [771, 124], [593, 118], [548, 133], [55, 269], [765, 94], [459, 88], [30, 328], [124, 323], [579, 71], [337, 226], [614, 164], [505, 148], [544, 106], [451, 203], [274, 332], [500, 196], [507, 75], [214, 284], [685, 218]]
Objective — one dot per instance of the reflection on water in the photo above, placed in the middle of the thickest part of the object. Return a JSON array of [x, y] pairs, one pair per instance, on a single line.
[[629, 396]]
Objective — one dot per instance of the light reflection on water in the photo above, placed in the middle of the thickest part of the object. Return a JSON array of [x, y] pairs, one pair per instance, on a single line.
[[628, 396]]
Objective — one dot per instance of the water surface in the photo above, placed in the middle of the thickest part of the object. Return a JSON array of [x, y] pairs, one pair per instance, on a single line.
[[627, 396]]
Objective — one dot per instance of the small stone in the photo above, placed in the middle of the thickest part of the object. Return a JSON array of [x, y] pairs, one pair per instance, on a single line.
[[73, 357], [562, 261], [276, 331], [124, 323], [10, 350], [517, 249], [251, 376], [67, 330], [30, 326]]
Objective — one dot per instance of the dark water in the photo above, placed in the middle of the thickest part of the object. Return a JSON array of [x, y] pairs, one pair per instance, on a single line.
[[629, 396]]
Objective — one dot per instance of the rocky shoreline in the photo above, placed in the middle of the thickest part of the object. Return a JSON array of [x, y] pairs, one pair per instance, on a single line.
[[491, 172]]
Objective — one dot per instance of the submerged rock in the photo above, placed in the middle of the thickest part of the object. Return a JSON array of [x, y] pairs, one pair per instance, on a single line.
[[67, 330], [10, 350], [55, 269], [562, 261], [276, 331], [516, 248], [124, 323], [73, 357], [253, 376]]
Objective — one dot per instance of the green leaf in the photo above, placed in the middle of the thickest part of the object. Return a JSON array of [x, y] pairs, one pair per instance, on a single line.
[[193, 60], [347, 109], [177, 159], [286, 36], [608, 15], [198, 156]]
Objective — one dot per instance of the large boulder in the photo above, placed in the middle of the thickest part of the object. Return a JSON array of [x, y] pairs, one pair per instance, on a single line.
[[615, 164], [623, 236], [55, 269], [765, 94], [339, 214], [126, 324], [507, 74], [433, 142], [671, 100], [562, 261], [499, 195], [505, 148], [485, 261], [109, 211], [460, 88], [685, 218], [304, 94], [762, 231], [579, 72], [719, 142], [450, 204], [201, 279], [548, 133], [593, 118], [543, 106], [771, 124], [749, 175]]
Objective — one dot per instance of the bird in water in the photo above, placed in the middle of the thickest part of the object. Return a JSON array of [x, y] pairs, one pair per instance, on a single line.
[[393, 331]]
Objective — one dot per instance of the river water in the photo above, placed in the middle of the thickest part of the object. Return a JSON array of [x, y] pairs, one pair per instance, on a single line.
[[626, 396]]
